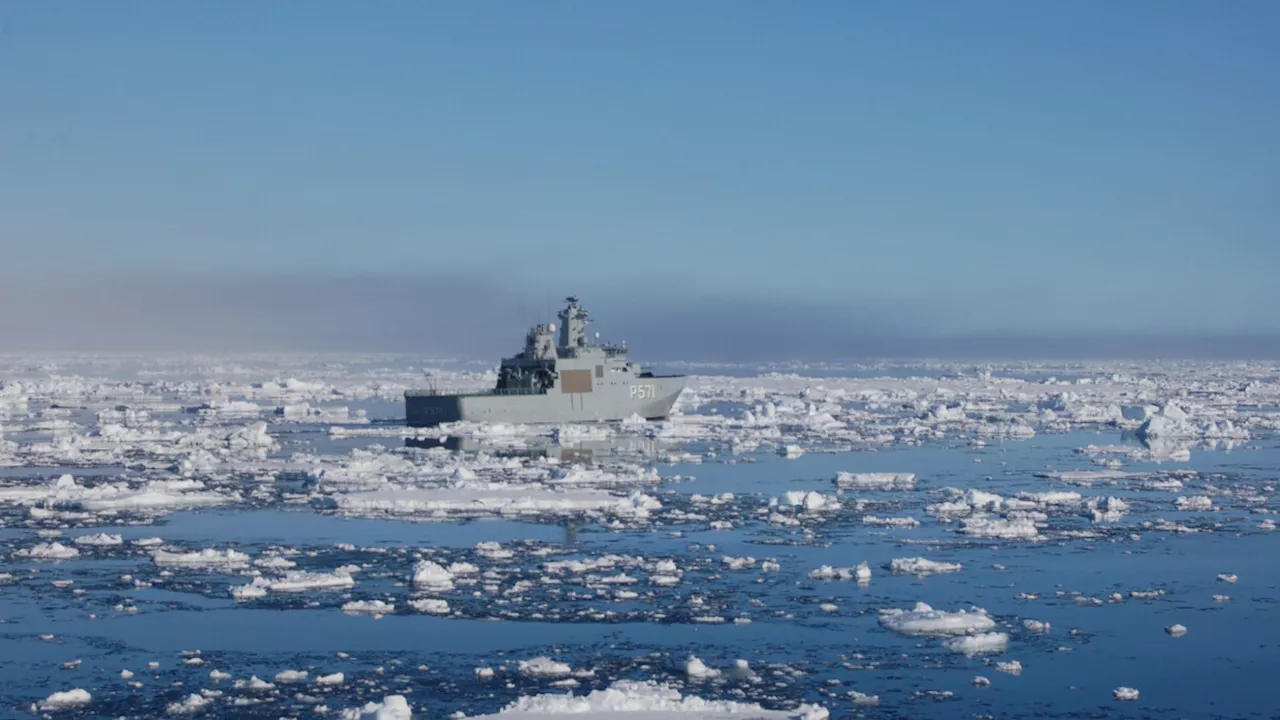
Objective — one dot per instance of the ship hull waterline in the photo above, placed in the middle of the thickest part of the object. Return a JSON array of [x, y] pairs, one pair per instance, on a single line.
[[650, 398]]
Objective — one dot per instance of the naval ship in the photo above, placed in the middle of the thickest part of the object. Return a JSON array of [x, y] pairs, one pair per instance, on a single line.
[[552, 380]]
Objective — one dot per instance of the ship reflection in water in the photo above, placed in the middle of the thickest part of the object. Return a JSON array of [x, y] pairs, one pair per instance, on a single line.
[[586, 452]]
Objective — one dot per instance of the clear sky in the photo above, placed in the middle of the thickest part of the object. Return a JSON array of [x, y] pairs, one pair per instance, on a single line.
[[967, 166]]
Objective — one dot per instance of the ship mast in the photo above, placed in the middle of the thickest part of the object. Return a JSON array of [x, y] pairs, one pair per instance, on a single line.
[[573, 328]]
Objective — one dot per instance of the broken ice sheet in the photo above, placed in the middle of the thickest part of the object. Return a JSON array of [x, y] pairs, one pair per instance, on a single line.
[[301, 468]]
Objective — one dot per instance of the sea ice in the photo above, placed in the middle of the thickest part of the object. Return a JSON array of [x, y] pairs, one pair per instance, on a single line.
[[899, 522], [496, 499], [924, 620], [544, 667], [978, 644], [432, 577], [646, 701], [922, 566], [392, 707], [66, 699], [811, 501], [50, 551], [190, 705], [1003, 528], [1013, 667], [202, 558], [875, 481]]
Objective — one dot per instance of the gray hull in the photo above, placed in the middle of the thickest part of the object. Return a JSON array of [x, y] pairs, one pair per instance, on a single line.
[[649, 397]]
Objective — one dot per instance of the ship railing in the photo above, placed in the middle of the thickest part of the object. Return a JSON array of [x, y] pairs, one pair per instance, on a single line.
[[609, 350], [513, 391], [433, 392]]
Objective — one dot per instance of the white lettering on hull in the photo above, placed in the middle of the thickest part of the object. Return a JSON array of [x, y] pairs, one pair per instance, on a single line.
[[643, 392]]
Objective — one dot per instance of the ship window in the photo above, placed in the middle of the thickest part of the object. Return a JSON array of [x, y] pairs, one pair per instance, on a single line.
[[599, 371]]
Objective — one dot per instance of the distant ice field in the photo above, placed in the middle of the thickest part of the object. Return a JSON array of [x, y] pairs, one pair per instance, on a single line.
[[261, 536]]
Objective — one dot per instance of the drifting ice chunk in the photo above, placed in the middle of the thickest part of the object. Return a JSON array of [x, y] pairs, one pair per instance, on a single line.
[[252, 437], [495, 500], [99, 540], [190, 706], [875, 481], [373, 607], [791, 451], [1125, 693], [980, 643], [430, 606], [812, 501], [544, 667], [1194, 503], [1172, 423], [1109, 509], [924, 620], [204, 558], [50, 551], [1085, 477], [900, 522], [944, 413], [254, 590], [300, 581], [67, 494], [1055, 497], [153, 495], [697, 670], [999, 528], [1035, 626], [862, 573], [922, 566], [647, 701], [432, 576], [392, 707], [66, 699]]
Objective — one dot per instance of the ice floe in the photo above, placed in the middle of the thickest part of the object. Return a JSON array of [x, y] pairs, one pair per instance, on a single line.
[[924, 620], [392, 707], [647, 700], [66, 699], [979, 643], [922, 566], [875, 481], [1125, 693]]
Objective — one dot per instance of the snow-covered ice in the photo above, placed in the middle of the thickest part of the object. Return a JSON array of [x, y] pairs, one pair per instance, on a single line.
[[645, 701], [922, 619]]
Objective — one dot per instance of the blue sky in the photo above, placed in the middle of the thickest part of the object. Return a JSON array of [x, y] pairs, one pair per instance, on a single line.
[[980, 166]]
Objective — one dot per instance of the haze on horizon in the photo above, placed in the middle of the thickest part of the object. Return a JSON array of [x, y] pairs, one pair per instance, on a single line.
[[715, 180]]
